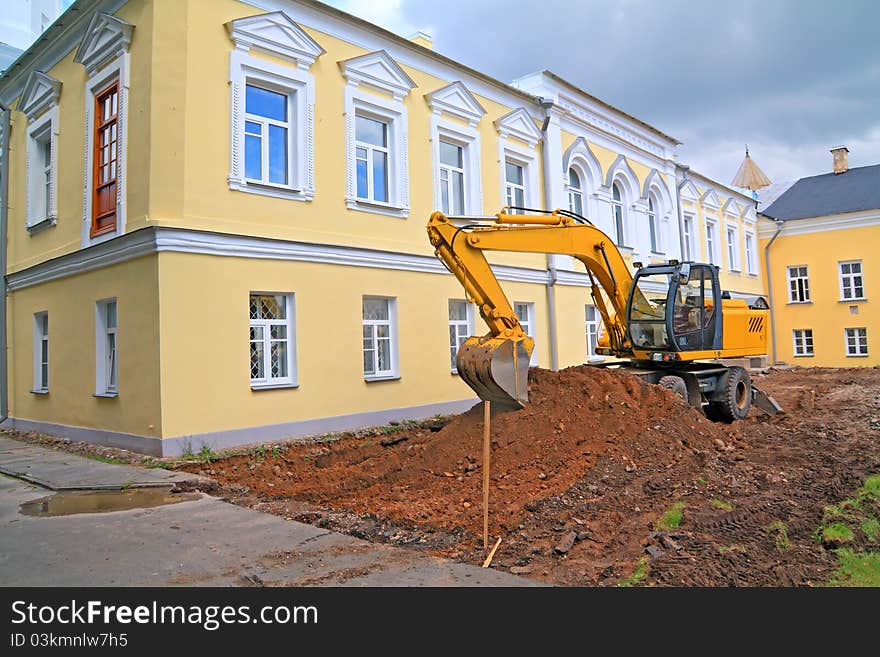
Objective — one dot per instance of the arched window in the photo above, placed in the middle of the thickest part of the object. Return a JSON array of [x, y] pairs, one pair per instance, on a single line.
[[617, 213], [575, 193], [653, 227]]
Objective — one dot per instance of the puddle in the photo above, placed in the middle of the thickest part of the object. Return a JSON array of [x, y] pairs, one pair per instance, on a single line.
[[68, 503]]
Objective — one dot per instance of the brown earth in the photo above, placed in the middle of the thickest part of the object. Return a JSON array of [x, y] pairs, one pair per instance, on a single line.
[[582, 475]]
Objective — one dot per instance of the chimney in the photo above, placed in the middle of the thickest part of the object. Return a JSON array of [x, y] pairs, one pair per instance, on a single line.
[[423, 39], [841, 165]]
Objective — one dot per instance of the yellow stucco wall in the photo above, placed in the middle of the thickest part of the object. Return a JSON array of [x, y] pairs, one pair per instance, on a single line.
[[827, 315]]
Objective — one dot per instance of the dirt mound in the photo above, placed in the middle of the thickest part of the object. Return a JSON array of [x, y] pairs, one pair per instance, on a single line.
[[576, 417]]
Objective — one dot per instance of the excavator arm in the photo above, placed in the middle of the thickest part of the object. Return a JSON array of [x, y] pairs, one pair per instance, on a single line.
[[496, 365]]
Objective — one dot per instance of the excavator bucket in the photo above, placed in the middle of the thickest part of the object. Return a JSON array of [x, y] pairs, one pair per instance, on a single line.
[[497, 369]]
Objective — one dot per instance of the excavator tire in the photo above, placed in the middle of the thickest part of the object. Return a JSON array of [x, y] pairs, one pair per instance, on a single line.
[[737, 397], [676, 384]]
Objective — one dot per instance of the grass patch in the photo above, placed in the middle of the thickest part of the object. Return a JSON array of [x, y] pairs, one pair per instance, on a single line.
[[871, 487], [105, 459], [779, 532], [640, 573], [856, 569], [871, 527], [721, 504], [672, 518], [836, 534]]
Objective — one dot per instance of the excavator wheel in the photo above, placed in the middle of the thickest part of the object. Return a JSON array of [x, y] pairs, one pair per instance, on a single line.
[[737, 397], [676, 384]]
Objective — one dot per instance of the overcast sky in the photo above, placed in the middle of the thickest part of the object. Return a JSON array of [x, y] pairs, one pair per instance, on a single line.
[[792, 78]]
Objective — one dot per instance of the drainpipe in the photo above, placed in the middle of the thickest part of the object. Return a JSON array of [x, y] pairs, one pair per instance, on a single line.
[[770, 285], [5, 117], [684, 178], [552, 274]]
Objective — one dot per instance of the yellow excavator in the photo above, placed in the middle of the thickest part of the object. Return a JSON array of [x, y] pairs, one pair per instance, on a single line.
[[669, 324]]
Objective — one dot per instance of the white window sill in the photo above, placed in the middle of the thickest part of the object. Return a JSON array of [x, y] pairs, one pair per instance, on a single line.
[[387, 209], [860, 299], [799, 303], [103, 237], [40, 226], [387, 377], [269, 189], [857, 355], [734, 271], [803, 355], [40, 392], [273, 386], [753, 274], [628, 250], [106, 395]]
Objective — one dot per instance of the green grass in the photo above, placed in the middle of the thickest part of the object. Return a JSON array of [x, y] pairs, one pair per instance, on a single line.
[[871, 527], [836, 534], [871, 488], [672, 518], [779, 532], [640, 573], [721, 504], [105, 459], [856, 569]]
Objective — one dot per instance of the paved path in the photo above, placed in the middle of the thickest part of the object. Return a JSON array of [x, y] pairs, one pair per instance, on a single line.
[[59, 470], [204, 542]]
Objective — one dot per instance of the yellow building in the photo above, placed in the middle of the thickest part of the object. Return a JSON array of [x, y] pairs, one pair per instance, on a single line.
[[821, 239], [215, 220]]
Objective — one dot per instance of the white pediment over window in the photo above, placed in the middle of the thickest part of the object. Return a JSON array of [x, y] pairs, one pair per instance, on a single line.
[[275, 33], [104, 40], [689, 192], [750, 215], [40, 92], [710, 199], [455, 100], [519, 124], [732, 207], [379, 71]]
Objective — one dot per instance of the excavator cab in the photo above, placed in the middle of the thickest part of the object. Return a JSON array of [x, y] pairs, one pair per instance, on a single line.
[[674, 307]]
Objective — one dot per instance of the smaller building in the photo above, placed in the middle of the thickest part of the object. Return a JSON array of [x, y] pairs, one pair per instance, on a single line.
[[821, 239]]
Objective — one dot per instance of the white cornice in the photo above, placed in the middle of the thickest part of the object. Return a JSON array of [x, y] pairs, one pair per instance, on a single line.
[[277, 34], [40, 92], [379, 71], [174, 240], [104, 39], [865, 219], [456, 101]]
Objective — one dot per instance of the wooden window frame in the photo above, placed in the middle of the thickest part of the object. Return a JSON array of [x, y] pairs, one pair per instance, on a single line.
[[99, 124]]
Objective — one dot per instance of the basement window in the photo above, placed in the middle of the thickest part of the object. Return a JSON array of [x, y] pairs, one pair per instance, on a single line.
[[272, 341], [380, 338], [106, 349], [856, 342], [803, 342]]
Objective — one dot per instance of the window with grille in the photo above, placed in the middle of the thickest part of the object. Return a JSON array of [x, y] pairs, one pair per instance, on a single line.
[[267, 131], [852, 286], [460, 327], [272, 340], [372, 155], [856, 342], [41, 352], [798, 285], [106, 144], [515, 186], [106, 349], [803, 342], [380, 337]]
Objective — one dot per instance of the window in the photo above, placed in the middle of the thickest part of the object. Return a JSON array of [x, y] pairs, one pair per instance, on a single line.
[[267, 130], [41, 174], [371, 159], [575, 193], [798, 285], [803, 342], [652, 226], [852, 285], [105, 160], [460, 327], [592, 331], [732, 249], [452, 185], [751, 262], [688, 222], [710, 241], [617, 213], [525, 313], [380, 338], [106, 349], [515, 187], [856, 342], [272, 341], [41, 352]]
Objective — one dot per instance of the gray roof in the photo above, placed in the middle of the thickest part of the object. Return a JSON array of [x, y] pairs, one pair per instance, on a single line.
[[768, 195], [819, 196]]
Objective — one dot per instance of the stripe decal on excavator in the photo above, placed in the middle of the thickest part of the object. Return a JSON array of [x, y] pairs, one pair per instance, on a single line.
[[756, 324]]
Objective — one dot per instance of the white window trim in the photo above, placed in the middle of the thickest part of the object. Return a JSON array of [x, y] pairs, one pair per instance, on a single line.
[[735, 264], [99, 80], [858, 354], [469, 140], [530, 311], [712, 254], [527, 159], [394, 372], [470, 319], [102, 382], [656, 222], [688, 236], [789, 279], [841, 276], [292, 380], [592, 356], [38, 131], [794, 336], [392, 112], [752, 258], [299, 86], [39, 386], [571, 191]]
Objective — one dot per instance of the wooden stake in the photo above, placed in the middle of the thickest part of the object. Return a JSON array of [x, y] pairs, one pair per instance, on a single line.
[[486, 445], [492, 553]]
